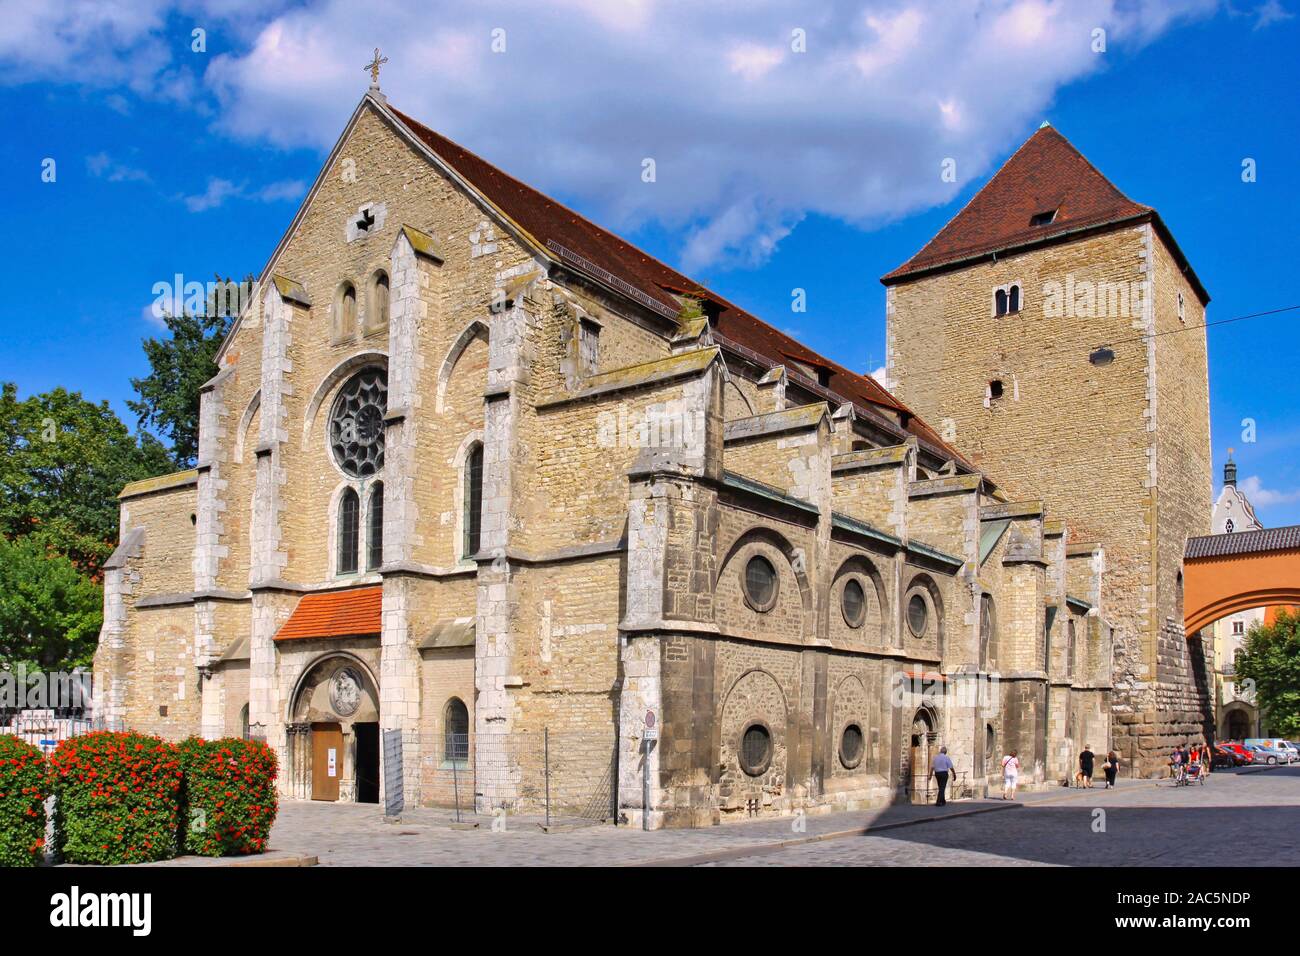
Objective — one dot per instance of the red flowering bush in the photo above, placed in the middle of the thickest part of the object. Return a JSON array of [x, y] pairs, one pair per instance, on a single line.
[[230, 798], [118, 798], [24, 784]]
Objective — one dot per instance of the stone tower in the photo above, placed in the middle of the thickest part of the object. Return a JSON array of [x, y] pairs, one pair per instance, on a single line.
[[1053, 330]]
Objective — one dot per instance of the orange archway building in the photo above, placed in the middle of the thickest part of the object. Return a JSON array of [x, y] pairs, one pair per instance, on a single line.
[[1227, 573]]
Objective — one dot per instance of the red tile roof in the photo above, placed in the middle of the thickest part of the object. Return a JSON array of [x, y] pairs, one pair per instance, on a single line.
[[1046, 174], [335, 614], [548, 221]]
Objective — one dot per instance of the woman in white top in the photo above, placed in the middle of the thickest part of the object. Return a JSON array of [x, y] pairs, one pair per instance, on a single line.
[[1010, 775]]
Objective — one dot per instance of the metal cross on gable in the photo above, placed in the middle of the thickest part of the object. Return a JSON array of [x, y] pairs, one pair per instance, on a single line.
[[373, 66]]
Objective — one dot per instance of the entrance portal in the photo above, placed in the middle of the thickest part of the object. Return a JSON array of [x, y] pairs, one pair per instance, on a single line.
[[923, 736], [333, 738]]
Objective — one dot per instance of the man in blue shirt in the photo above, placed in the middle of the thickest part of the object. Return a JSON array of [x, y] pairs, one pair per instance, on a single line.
[[940, 767]]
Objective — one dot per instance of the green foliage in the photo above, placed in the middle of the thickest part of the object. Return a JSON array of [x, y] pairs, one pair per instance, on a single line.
[[692, 308], [118, 798], [229, 799], [50, 612], [1271, 659], [24, 784], [179, 365], [63, 461]]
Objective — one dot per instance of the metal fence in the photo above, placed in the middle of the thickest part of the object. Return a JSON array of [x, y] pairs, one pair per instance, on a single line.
[[44, 729], [561, 778]]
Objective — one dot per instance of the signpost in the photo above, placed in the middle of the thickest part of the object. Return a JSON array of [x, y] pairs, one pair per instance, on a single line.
[[649, 734]]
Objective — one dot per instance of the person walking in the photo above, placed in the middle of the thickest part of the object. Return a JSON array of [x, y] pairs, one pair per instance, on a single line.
[[1111, 768], [1010, 775], [940, 767], [1085, 765]]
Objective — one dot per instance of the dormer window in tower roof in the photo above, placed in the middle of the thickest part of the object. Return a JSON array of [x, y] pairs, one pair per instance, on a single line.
[[1044, 218]]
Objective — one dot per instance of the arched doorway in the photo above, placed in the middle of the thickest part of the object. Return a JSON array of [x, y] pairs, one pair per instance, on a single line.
[[1238, 723], [334, 733], [920, 745]]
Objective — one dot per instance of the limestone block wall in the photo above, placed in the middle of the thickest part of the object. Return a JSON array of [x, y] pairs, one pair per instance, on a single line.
[[872, 486]]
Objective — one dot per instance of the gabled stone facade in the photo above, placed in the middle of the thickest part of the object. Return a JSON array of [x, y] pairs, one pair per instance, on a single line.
[[615, 541]]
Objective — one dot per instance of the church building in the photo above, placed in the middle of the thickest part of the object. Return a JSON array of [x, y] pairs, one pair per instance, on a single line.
[[490, 504]]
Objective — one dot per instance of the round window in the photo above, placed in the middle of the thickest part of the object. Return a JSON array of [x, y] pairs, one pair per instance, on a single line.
[[760, 583], [918, 614], [853, 602], [755, 750], [851, 746], [356, 427]]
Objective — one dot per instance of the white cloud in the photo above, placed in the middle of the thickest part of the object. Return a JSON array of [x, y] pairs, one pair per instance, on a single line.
[[1269, 13], [748, 135], [219, 190], [1252, 487], [103, 166]]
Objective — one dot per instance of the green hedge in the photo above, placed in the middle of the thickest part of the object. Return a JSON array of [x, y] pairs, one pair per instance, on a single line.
[[118, 798], [229, 797], [24, 784]]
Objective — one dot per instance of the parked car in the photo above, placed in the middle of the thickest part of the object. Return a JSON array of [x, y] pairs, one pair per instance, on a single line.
[[1224, 758], [1247, 757], [1274, 743], [1269, 755]]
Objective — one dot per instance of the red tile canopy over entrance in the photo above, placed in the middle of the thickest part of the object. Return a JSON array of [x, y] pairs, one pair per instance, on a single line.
[[335, 614]]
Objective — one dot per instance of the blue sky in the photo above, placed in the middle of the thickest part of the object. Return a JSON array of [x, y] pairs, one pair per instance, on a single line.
[[774, 171]]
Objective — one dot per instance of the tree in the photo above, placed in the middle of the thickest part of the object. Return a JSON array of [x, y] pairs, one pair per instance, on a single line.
[[1271, 660], [178, 367], [63, 461], [50, 613]]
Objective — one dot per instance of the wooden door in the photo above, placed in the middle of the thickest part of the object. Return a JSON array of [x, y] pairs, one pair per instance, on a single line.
[[326, 761]]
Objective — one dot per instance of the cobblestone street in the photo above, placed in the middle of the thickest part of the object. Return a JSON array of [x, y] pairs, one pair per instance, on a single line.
[[1242, 819]]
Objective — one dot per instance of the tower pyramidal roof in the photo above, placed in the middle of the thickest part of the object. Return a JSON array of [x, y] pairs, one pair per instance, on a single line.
[[1046, 192]]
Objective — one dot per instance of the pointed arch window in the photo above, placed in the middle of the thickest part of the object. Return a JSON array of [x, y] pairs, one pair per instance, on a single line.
[[345, 312], [375, 528], [473, 500], [377, 306], [1071, 648], [349, 531]]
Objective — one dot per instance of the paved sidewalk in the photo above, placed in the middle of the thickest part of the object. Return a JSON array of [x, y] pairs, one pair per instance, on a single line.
[[1143, 823], [356, 835]]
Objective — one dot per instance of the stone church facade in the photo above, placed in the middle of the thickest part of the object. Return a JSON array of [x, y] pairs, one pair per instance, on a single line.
[[475, 471], [1054, 330]]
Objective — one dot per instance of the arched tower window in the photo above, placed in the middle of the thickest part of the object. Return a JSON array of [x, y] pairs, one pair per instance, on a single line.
[[349, 528], [1013, 299], [375, 528], [473, 500]]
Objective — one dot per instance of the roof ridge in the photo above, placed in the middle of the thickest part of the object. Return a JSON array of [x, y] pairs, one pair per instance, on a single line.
[[595, 243]]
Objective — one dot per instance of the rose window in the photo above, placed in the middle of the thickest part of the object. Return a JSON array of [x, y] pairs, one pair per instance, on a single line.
[[356, 428]]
